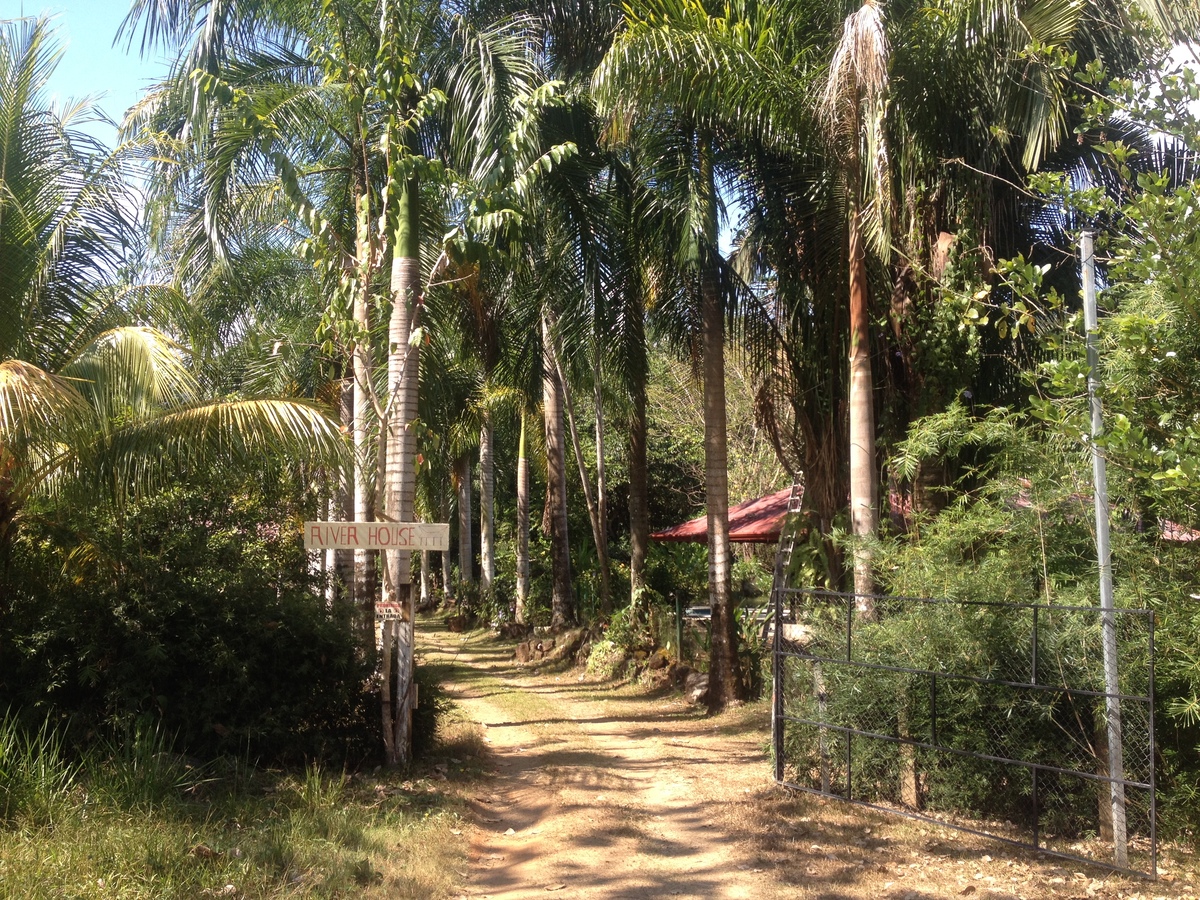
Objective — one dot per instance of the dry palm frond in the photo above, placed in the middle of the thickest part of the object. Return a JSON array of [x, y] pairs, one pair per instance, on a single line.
[[37, 406], [858, 72], [853, 108]]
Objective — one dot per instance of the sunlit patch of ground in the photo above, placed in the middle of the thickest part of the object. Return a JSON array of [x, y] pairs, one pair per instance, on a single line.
[[603, 792]]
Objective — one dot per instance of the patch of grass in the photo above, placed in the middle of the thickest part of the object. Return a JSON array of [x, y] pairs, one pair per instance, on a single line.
[[135, 821], [35, 777], [606, 660]]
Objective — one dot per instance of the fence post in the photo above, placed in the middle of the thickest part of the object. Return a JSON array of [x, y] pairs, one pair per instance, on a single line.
[[777, 686], [1112, 703], [679, 627], [1153, 750]]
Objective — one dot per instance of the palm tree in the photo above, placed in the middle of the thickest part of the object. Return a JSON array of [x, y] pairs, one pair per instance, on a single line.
[[853, 107], [328, 106], [646, 75], [94, 406], [562, 599]]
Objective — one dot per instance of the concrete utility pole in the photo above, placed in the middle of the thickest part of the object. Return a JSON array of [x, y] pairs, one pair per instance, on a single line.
[[1112, 704]]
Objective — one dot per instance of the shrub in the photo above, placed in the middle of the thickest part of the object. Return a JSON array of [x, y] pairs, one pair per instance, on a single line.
[[606, 659], [198, 610]]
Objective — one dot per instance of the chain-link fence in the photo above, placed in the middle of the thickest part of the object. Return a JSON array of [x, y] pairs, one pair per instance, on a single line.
[[988, 717]]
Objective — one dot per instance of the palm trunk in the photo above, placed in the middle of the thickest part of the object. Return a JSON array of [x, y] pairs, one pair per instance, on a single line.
[[466, 549], [639, 496], [365, 578], [427, 601], [602, 495], [522, 527], [343, 560], [487, 488], [444, 516], [403, 361], [723, 680], [863, 487], [593, 515], [639, 516], [327, 557], [562, 597]]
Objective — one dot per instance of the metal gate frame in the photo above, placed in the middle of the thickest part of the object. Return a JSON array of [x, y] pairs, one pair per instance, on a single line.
[[784, 650]]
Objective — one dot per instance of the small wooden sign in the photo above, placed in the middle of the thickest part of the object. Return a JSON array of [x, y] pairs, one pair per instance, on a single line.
[[387, 610], [376, 536]]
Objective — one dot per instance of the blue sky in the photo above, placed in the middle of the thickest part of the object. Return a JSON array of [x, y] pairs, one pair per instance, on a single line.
[[91, 65]]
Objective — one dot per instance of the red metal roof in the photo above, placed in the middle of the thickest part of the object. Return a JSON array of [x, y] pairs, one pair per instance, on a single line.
[[757, 521], [1173, 531]]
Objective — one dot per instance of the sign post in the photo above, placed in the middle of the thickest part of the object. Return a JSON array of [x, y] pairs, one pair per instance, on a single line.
[[1112, 702]]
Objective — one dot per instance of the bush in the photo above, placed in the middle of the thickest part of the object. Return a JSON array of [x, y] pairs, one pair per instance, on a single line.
[[197, 611], [606, 659], [1020, 529]]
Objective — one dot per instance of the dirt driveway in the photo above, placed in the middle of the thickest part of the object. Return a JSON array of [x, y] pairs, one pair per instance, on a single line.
[[598, 792]]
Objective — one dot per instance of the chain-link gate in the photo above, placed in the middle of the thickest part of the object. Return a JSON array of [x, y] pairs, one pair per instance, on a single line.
[[984, 716]]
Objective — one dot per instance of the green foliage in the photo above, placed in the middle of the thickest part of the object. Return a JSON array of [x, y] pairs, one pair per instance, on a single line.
[[1019, 528], [751, 579], [978, 641], [678, 570], [1143, 206], [754, 654], [433, 705], [198, 612], [606, 659], [35, 776], [630, 628], [489, 607]]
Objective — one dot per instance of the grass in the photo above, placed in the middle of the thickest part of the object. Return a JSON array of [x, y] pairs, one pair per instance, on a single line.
[[132, 820]]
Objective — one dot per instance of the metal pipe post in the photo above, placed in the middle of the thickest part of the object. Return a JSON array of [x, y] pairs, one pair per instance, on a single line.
[[679, 627], [1112, 704], [777, 686]]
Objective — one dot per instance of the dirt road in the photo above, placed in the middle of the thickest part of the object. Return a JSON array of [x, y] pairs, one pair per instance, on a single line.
[[603, 793]]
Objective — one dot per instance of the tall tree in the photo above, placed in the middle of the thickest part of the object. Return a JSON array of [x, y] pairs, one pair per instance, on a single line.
[[853, 107], [629, 83], [562, 599], [411, 90], [94, 406]]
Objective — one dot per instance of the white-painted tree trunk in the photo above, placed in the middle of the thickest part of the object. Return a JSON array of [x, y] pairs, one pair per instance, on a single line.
[[365, 475], [403, 363], [522, 528], [863, 477], [487, 489]]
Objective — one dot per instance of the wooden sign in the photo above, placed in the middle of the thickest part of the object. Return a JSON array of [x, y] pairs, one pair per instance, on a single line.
[[376, 536]]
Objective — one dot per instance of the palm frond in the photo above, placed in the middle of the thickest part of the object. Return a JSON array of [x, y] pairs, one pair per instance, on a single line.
[[38, 407], [132, 371], [245, 435]]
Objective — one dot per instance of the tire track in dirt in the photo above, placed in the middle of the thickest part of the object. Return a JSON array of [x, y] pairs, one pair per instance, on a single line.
[[601, 793], [611, 798]]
